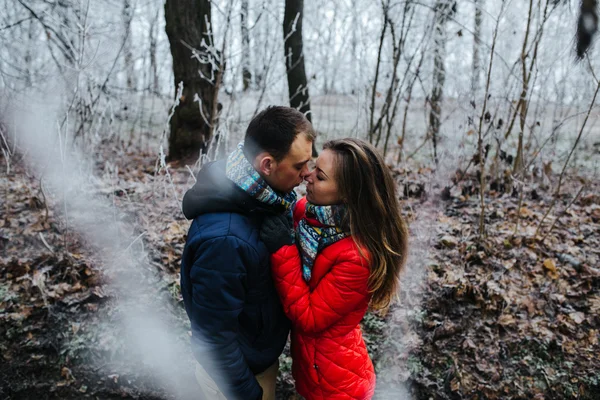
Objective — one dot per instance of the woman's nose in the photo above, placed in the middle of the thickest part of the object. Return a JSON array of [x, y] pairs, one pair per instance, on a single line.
[[308, 177]]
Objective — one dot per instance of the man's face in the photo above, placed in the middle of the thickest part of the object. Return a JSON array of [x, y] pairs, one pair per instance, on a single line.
[[288, 173]]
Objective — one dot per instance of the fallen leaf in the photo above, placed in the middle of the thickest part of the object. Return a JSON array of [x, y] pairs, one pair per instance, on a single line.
[[506, 319], [448, 241], [455, 384], [577, 317], [593, 337], [525, 212], [66, 373], [551, 268]]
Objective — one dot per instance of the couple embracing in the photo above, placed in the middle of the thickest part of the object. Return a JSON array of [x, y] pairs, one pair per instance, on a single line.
[[258, 262]]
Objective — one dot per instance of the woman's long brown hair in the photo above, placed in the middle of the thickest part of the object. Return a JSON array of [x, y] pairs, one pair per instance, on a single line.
[[367, 187]]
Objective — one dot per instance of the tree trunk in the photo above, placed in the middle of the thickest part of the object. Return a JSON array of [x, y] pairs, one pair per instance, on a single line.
[[587, 26], [127, 53], [153, 63], [443, 9], [519, 163], [187, 26], [246, 64], [294, 59], [355, 62], [476, 44], [28, 56], [261, 30]]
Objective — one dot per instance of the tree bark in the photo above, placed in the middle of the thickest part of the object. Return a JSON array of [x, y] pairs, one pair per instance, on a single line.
[[246, 64], [294, 59], [519, 162], [587, 26], [127, 52], [476, 44], [443, 10], [153, 63], [188, 25]]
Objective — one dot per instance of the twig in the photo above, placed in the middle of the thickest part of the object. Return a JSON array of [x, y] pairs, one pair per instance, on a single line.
[[479, 133], [418, 148], [520, 204], [19, 22], [134, 241], [374, 92], [558, 187], [564, 212], [191, 173], [46, 243], [45, 199]]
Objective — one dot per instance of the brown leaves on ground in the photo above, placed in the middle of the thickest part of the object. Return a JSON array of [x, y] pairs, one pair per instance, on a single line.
[[510, 316], [54, 303]]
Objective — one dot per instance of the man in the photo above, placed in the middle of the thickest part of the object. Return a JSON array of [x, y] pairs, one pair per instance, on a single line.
[[238, 326]]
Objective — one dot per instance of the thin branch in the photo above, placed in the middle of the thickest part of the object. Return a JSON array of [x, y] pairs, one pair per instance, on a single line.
[[19, 22], [562, 173], [564, 212], [480, 140], [374, 91]]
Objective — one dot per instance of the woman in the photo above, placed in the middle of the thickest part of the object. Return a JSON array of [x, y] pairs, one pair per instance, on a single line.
[[350, 247]]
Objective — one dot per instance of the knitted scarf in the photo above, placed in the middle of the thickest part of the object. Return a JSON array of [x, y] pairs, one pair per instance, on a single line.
[[242, 173], [313, 239]]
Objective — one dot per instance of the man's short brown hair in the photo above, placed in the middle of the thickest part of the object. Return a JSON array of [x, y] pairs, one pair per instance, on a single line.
[[274, 130]]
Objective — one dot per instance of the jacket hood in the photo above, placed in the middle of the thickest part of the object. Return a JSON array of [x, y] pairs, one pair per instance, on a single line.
[[214, 192]]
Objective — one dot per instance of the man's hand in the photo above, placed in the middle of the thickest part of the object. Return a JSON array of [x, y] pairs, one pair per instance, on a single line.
[[277, 231]]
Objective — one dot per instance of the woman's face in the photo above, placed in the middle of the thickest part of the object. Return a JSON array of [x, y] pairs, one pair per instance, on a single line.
[[321, 183]]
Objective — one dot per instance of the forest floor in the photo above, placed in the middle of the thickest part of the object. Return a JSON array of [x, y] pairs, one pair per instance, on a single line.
[[511, 316]]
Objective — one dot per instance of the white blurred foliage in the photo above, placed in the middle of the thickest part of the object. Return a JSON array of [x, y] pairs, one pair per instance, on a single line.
[[151, 343]]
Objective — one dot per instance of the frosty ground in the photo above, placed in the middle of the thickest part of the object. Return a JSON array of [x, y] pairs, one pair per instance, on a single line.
[[510, 316]]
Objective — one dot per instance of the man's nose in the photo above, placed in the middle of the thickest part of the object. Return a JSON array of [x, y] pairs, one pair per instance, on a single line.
[[305, 172]]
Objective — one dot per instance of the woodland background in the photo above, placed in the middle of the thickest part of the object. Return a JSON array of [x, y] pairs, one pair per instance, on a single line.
[[486, 113]]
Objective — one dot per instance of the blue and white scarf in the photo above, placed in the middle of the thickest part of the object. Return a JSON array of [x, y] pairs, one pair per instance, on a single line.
[[313, 239], [242, 173]]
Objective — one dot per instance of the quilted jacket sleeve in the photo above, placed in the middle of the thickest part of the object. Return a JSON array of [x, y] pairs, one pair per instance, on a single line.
[[218, 294], [340, 291]]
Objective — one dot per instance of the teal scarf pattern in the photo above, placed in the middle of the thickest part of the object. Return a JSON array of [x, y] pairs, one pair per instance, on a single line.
[[241, 172], [312, 239]]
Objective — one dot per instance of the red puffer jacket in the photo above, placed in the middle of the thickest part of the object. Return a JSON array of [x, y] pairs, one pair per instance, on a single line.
[[330, 359]]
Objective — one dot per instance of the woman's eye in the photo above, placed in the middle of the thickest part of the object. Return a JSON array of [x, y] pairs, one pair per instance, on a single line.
[[319, 178]]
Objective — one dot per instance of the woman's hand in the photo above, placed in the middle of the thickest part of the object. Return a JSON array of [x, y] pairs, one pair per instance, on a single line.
[[277, 231]]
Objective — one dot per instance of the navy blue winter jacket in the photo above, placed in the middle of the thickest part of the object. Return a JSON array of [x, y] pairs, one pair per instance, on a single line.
[[238, 325]]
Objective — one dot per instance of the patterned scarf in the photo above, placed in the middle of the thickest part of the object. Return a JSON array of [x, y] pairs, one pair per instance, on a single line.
[[313, 239], [242, 173]]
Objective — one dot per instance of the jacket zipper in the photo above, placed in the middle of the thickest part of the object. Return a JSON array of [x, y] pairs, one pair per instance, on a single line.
[[316, 367]]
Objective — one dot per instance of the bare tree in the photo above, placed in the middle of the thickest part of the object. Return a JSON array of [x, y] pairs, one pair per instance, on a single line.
[[398, 90], [127, 53], [246, 64], [188, 26], [587, 25], [294, 58], [153, 42], [527, 72], [443, 11], [476, 44]]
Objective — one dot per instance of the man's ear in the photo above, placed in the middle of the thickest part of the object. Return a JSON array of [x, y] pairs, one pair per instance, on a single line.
[[265, 164]]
